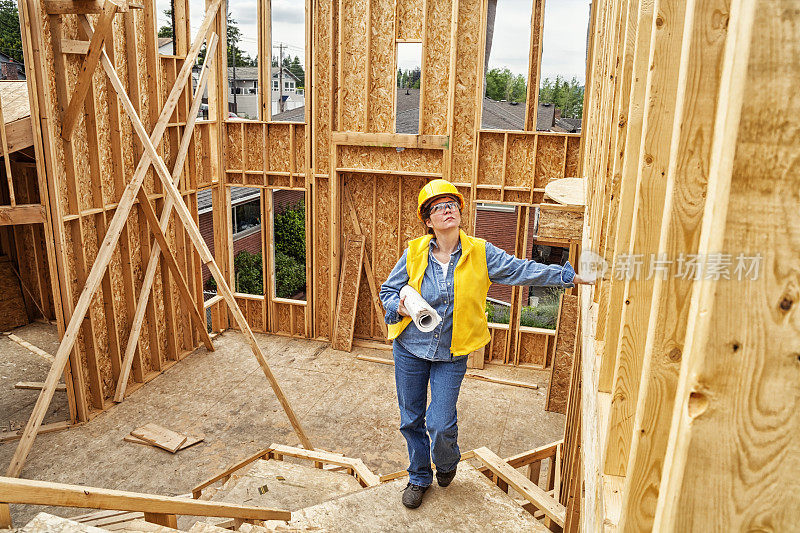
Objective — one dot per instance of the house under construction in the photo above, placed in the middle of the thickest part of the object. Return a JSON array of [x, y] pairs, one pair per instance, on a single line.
[[677, 372]]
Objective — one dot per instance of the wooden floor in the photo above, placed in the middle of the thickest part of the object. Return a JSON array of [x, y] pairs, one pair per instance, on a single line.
[[346, 405]]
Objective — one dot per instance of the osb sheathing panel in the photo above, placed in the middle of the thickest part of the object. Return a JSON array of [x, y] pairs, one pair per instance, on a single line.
[[533, 348], [520, 160], [283, 318], [410, 17], [558, 390], [468, 57], [573, 157], [490, 159], [382, 76], [497, 347], [253, 146], [379, 158], [560, 224], [550, 160], [387, 244], [299, 149], [279, 153], [436, 67], [361, 191], [353, 56]]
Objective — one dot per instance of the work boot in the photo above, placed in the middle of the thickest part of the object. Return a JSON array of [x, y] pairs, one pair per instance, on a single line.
[[412, 495], [444, 478]]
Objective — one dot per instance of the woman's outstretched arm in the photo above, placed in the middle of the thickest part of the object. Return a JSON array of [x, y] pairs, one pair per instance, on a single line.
[[509, 270]]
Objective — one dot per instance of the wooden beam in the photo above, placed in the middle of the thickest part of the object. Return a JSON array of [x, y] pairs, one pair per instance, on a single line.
[[19, 135], [70, 118], [85, 7], [21, 214], [34, 492], [104, 254], [37, 385], [73, 46], [528, 489], [391, 140], [45, 428], [152, 265]]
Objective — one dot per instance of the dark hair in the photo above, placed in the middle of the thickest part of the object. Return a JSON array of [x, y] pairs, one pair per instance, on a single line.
[[425, 210]]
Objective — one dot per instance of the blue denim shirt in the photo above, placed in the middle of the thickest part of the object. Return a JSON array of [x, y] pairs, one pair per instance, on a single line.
[[437, 290]]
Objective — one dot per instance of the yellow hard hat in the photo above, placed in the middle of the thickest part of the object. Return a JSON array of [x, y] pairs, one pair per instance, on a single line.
[[438, 187]]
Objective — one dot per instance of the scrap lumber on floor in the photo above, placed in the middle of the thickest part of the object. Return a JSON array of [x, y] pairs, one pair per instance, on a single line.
[[161, 437]]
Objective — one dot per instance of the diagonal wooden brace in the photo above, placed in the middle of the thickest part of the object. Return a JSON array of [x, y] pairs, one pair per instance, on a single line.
[[202, 249], [152, 265], [70, 118], [105, 253]]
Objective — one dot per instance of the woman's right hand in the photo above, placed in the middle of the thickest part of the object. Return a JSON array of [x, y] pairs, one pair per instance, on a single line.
[[401, 309]]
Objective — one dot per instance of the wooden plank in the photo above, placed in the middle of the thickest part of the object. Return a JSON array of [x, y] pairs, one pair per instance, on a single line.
[[500, 381], [534, 64], [527, 489], [391, 140], [37, 385], [85, 7], [104, 255], [21, 214], [19, 135], [733, 440], [73, 46], [63, 495], [190, 441], [159, 436], [347, 300], [30, 347], [70, 118], [155, 253], [45, 428]]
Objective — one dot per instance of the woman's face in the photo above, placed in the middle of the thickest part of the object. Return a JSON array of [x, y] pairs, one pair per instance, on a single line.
[[444, 217]]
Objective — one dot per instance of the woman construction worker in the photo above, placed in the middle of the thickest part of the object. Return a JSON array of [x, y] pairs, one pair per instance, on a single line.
[[452, 272]]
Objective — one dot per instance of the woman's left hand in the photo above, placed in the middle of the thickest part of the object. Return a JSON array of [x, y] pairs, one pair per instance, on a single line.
[[578, 280]]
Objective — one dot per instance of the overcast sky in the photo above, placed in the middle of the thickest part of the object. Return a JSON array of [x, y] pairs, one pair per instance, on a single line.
[[564, 48]]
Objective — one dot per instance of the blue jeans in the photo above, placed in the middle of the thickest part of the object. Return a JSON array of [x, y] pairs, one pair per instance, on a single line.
[[412, 375]]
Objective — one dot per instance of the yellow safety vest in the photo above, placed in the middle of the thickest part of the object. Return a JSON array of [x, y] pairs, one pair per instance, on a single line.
[[471, 284]]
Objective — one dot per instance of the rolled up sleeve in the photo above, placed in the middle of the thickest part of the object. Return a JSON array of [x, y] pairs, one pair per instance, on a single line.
[[390, 290], [510, 270]]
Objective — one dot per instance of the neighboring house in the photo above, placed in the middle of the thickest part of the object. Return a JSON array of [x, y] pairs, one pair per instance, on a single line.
[[245, 218], [11, 69], [243, 87], [165, 46]]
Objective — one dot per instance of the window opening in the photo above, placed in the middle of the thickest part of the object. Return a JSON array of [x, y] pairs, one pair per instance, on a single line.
[[165, 20], [409, 79], [248, 260], [242, 60], [508, 38], [289, 238], [288, 70]]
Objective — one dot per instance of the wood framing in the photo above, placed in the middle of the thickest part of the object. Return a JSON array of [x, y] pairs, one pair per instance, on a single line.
[[683, 366]]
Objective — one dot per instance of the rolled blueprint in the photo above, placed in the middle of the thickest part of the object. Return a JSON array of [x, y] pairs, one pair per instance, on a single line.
[[424, 316]]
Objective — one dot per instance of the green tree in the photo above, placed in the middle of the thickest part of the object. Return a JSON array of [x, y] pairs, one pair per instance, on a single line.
[[565, 95], [166, 30], [296, 68], [236, 56], [290, 232], [248, 272], [10, 37]]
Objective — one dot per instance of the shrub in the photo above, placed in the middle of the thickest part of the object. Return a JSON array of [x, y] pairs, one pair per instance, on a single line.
[[249, 274], [290, 275], [496, 313], [290, 232], [545, 314]]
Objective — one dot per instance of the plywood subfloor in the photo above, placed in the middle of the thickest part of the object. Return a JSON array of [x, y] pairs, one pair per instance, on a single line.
[[345, 405], [470, 503]]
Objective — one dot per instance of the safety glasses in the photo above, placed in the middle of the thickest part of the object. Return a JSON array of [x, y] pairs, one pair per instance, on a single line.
[[444, 207]]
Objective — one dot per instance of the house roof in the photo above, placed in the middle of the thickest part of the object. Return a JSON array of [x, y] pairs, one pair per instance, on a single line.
[[239, 195], [298, 114], [164, 40]]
